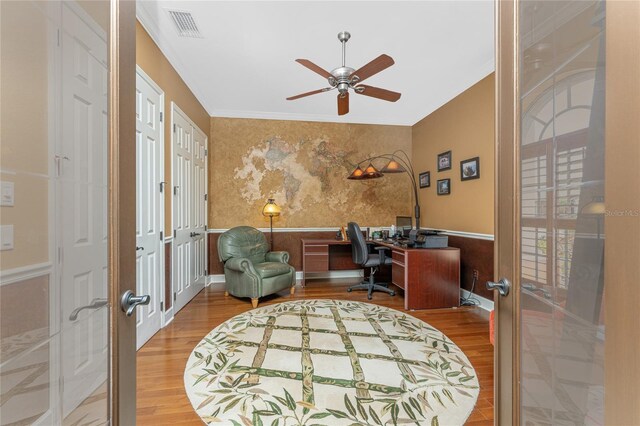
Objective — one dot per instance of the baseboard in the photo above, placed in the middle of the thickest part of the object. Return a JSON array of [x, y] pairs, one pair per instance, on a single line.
[[358, 273], [483, 303]]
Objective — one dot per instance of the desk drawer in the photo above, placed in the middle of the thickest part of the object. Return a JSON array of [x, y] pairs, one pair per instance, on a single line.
[[398, 256], [397, 273], [316, 262], [316, 248]]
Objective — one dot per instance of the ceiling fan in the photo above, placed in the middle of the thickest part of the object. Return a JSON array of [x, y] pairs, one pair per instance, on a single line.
[[344, 78]]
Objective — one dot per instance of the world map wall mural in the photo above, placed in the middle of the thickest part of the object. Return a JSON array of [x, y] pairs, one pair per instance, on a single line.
[[303, 165]]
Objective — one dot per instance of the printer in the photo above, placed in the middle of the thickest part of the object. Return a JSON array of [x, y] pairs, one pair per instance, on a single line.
[[427, 238]]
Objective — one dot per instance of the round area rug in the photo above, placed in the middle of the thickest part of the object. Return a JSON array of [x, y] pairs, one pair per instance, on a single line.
[[329, 362]]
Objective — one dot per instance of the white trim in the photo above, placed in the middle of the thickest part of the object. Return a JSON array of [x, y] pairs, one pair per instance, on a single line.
[[356, 273], [488, 237], [483, 303], [22, 273], [287, 116], [168, 239]]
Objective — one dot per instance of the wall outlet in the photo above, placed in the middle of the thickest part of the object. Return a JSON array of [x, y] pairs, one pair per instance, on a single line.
[[475, 274], [6, 237]]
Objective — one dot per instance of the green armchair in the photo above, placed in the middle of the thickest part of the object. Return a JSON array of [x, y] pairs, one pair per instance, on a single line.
[[250, 269]]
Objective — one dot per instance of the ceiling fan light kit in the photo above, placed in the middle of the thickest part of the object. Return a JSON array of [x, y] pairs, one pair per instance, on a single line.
[[345, 78]]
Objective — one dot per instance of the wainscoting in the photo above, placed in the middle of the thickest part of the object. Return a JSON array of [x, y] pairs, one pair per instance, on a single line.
[[476, 253]]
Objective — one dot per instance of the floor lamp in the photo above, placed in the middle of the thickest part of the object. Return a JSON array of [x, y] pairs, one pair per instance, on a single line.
[[398, 162], [271, 209]]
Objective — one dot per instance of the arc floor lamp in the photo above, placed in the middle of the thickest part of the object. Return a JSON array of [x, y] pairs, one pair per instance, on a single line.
[[397, 162]]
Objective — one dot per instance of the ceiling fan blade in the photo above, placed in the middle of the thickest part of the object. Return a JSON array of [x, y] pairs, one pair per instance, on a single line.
[[380, 63], [314, 92], [343, 103], [313, 67], [376, 92]]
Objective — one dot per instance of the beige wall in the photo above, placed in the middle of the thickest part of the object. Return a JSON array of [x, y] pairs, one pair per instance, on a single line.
[[155, 65], [25, 136], [465, 125], [304, 165]]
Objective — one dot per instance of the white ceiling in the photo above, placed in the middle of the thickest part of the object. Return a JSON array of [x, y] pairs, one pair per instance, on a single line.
[[244, 66]]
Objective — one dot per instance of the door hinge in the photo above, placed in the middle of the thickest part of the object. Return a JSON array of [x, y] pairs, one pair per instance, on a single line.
[[174, 296], [206, 152], [174, 127], [205, 272], [174, 233], [161, 236], [205, 197], [160, 116], [162, 306], [162, 184]]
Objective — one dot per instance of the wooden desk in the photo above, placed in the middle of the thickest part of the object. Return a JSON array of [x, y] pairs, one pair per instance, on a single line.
[[430, 278]]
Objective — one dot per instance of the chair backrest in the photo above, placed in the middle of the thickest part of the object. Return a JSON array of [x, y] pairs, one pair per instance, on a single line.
[[359, 249], [243, 241]]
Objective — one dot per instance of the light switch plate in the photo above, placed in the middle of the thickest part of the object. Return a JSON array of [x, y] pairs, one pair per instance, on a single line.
[[7, 194], [6, 237]]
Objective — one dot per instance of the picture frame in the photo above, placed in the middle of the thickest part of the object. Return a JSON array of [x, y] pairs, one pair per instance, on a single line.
[[424, 179], [444, 161], [470, 169], [444, 186]]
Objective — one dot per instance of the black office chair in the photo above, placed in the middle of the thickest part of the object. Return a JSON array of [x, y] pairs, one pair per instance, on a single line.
[[361, 256]]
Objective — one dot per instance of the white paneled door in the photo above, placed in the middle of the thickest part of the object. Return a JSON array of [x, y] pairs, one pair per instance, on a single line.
[[82, 166], [189, 208], [149, 205]]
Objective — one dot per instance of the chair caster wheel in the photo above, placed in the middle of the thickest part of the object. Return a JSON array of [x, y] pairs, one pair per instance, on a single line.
[[349, 290], [393, 293]]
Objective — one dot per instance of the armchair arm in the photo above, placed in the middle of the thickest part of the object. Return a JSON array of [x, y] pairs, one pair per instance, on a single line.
[[240, 264], [278, 256]]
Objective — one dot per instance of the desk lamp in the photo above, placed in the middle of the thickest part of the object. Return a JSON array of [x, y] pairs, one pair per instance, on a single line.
[[271, 209]]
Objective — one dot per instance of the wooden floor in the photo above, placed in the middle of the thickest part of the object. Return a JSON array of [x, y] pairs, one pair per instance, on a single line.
[[161, 398]]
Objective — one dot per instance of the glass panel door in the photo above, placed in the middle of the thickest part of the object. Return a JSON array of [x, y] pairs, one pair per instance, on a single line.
[[54, 329], [562, 103]]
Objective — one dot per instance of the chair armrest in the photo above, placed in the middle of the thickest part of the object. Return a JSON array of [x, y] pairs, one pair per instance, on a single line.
[[381, 253], [278, 256], [240, 264]]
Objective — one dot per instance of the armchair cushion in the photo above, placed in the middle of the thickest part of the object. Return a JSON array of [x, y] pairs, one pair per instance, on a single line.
[[240, 264], [271, 269]]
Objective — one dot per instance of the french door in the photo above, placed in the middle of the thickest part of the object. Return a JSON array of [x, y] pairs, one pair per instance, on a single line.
[[567, 204], [149, 204], [189, 208], [67, 352]]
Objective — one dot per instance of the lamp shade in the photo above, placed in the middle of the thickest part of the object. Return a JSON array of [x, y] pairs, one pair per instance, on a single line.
[[371, 172], [393, 167], [356, 173], [594, 207], [271, 208]]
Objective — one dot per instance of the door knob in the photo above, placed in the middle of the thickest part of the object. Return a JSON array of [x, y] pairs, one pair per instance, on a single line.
[[139, 248], [502, 286], [194, 234], [129, 301]]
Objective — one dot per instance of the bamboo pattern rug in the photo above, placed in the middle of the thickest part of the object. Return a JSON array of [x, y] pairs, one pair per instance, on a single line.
[[329, 362]]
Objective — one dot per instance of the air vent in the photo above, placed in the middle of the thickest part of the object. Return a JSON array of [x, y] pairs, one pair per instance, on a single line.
[[185, 24]]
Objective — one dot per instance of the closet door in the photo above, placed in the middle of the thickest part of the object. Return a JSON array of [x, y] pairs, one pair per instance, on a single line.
[[189, 176]]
